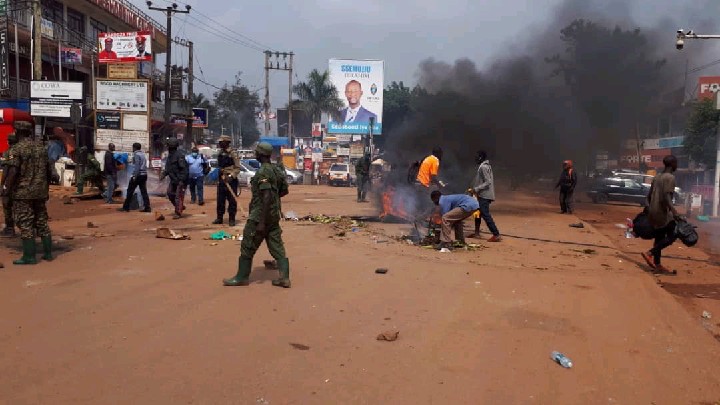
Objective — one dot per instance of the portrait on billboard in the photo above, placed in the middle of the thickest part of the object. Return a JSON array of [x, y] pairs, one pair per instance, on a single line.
[[359, 84], [118, 47], [355, 111]]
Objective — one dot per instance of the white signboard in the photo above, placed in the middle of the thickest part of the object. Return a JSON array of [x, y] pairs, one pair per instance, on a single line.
[[360, 85], [42, 109], [56, 90], [123, 140], [123, 95], [343, 151], [135, 122]]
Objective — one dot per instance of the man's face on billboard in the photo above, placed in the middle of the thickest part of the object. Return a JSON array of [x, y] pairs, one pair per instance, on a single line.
[[353, 93], [108, 46], [140, 46]]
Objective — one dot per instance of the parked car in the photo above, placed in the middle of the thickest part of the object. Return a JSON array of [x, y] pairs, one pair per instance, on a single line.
[[246, 173], [618, 189], [292, 176], [646, 181], [340, 174]]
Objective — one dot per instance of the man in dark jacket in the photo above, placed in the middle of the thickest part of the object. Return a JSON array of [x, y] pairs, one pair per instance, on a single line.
[[177, 169], [567, 183], [110, 170]]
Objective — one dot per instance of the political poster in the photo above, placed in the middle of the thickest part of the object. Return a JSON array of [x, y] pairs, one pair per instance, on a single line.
[[71, 56], [117, 47], [360, 86]]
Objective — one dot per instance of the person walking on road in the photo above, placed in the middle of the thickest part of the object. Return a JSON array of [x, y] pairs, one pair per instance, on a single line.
[[484, 190], [454, 208], [176, 168], [111, 171], [263, 222], [7, 201], [362, 172], [567, 183], [28, 179], [138, 179], [196, 181], [662, 214], [229, 166]]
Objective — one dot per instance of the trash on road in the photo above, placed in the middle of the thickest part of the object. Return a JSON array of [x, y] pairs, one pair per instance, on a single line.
[[561, 359], [2, 265], [291, 216], [389, 336], [91, 225], [445, 250], [159, 216], [68, 237], [299, 346], [578, 225], [706, 315], [381, 271], [102, 235], [67, 200], [167, 233]]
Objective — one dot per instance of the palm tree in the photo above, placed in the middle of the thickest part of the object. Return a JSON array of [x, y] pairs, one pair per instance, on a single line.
[[318, 95]]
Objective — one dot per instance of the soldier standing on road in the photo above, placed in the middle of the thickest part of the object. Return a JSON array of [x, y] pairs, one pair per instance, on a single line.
[[567, 183], [177, 169], [263, 222], [362, 171], [9, 230], [93, 173], [229, 166], [28, 180]]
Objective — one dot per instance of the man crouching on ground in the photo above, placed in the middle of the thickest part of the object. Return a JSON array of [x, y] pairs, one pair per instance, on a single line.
[[454, 208]]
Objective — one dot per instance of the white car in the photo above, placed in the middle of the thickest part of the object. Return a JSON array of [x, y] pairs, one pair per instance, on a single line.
[[246, 173], [340, 174]]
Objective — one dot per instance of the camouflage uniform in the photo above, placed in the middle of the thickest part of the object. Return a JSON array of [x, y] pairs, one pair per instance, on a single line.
[[362, 171], [229, 165], [93, 173], [7, 201], [30, 191], [268, 178]]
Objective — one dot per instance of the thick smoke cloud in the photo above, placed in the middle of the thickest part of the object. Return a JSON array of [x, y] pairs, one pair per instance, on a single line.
[[528, 119]]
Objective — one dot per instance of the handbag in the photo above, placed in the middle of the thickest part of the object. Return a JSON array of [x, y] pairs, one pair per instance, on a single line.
[[686, 233], [642, 227]]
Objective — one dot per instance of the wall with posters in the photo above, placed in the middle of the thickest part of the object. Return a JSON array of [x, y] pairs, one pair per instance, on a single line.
[[360, 86]]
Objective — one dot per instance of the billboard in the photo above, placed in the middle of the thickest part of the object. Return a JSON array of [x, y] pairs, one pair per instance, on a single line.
[[71, 56], [53, 98], [124, 47], [708, 86], [360, 86], [122, 95]]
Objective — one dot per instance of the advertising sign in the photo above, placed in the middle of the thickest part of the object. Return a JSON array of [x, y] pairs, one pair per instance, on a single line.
[[71, 56], [107, 119], [4, 48], [360, 85], [651, 157], [708, 86], [122, 95], [135, 122], [54, 99], [200, 117], [46, 28], [124, 47], [122, 71], [316, 129], [123, 140]]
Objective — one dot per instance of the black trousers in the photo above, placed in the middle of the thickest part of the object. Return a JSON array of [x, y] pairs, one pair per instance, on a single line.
[[566, 199], [664, 237], [223, 195], [138, 181]]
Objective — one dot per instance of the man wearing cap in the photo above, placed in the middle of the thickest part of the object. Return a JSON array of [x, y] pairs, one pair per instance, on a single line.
[[263, 222], [229, 165], [176, 168], [140, 45], [9, 230], [28, 180], [107, 53]]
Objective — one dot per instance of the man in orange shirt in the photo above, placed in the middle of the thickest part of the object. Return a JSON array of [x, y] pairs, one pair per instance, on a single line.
[[429, 168]]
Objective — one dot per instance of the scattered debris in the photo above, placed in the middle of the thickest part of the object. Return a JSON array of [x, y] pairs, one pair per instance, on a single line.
[[2, 265], [214, 244], [578, 225], [706, 315], [381, 271], [340, 234], [389, 336], [270, 265], [101, 235], [445, 250], [586, 251], [702, 296], [222, 235], [91, 225], [299, 346], [167, 233], [291, 216], [67, 200], [68, 237], [159, 216]]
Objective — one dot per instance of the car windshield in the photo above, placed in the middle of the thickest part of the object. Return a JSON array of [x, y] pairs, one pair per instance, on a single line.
[[338, 168], [253, 163]]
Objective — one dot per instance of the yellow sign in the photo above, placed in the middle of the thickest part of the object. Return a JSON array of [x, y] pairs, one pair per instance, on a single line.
[[122, 71]]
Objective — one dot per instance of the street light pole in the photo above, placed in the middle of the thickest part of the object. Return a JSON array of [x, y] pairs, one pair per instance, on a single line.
[[169, 11], [680, 44]]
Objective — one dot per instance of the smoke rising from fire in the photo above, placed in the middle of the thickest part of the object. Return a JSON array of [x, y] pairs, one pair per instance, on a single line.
[[530, 119]]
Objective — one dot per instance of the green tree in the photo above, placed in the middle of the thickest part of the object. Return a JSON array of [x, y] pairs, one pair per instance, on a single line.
[[236, 108], [318, 95], [396, 106], [701, 134]]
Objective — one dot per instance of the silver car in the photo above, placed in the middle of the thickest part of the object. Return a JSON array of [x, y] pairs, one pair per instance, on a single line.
[[246, 173]]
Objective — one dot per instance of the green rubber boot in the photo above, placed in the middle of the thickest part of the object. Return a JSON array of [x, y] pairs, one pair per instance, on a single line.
[[28, 256], [47, 248], [242, 278], [284, 268], [80, 187]]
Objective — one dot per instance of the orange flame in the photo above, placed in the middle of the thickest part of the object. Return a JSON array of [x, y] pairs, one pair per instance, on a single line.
[[392, 206]]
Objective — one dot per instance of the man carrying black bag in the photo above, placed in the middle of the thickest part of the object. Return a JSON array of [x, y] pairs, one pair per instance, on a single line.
[[662, 214]]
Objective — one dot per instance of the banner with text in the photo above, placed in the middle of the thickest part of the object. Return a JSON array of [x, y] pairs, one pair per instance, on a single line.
[[123, 95], [123, 140], [360, 85], [124, 47]]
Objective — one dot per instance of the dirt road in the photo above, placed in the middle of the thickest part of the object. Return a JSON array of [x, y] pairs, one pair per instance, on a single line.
[[124, 317]]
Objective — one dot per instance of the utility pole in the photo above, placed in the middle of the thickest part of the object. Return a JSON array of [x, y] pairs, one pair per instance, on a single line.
[[680, 44], [272, 62], [36, 41], [266, 103], [169, 11], [189, 130]]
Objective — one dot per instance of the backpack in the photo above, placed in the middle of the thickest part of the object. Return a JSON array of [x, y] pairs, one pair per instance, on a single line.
[[642, 227], [413, 171], [686, 233]]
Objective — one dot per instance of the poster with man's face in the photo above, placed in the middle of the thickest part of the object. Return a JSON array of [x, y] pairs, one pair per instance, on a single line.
[[117, 47], [360, 85]]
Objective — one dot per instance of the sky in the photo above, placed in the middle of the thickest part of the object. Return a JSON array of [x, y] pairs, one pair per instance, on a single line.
[[400, 32]]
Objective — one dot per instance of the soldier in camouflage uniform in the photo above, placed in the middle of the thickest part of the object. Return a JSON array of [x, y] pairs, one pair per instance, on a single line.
[[9, 230], [229, 166], [27, 183], [362, 173], [263, 223], [93, 173]]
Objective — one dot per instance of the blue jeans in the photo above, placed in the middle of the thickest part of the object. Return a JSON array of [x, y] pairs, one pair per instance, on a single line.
[[485, 214], [110, 190], [196, 188]]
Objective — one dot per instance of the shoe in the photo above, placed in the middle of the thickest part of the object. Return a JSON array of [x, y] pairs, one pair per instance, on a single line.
[[176, 216], [28, 257], [47, 248], [242, 278], [648, 259], [474, 235], [284, 268], [231, 222], [146, 210], [218, 221], [662, 269], [201, 203], [495, 238], [113, 202], [192, 202], [123, 210]]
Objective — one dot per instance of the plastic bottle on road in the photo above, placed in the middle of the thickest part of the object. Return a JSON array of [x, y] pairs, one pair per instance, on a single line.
[[560, 359]]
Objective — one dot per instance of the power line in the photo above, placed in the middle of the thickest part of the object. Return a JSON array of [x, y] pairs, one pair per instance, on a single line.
[[225, 37]]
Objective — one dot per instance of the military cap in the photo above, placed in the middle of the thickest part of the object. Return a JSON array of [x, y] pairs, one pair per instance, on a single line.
[[173, 143], [22, 126], [224, 138], [264, 148], [12, 138]]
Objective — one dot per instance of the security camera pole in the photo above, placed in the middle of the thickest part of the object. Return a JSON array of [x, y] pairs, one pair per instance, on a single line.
[[169, 10], [682, 35]]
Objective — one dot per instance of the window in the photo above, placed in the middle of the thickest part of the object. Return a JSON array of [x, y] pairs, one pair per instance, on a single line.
[[75, 21], [52, 10], [96, 27]]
